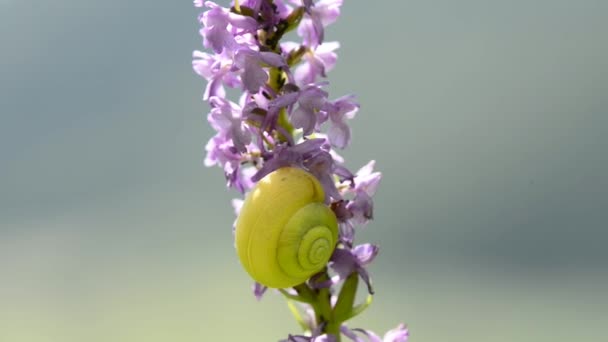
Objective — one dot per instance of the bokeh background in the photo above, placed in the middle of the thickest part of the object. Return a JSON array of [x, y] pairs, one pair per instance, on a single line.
[[489, 120]]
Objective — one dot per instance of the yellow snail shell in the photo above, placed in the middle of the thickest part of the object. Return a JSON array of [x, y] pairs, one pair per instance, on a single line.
[[285, 233]]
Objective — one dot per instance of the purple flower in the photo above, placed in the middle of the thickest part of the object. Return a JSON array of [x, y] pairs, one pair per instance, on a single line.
[[301, 338], [307, 155], [359, 210], [239, 177], [350, 334], [366, 183], [225, 117], [221, 26], [253, 4], [339, 111], [310, 100], [366, 179], [284, 155], [316, 336], [345, 261], [320, 15], [286, 100], [220, 151], [307, 4], [322, 167], [223, 153], [218, 70], [362, 209], [346, 229], [399, 334], [270, 12], [259, 290], [316, 62], [252, 63], [281, 9]]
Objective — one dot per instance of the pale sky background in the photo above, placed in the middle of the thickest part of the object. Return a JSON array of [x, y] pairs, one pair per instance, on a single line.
[[489, 120]]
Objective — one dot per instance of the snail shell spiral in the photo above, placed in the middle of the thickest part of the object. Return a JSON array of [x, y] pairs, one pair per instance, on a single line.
[[285, 233]]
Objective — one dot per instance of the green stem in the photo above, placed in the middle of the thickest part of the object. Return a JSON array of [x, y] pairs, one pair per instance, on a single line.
[[277, 77], [334, 329], [321, 305], [327, 316], [276, 80]]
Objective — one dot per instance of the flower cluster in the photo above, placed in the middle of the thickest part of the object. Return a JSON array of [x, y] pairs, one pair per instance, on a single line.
[[285, 117]]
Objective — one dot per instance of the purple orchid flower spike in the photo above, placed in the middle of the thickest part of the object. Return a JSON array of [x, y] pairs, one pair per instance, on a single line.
[[287, 120]]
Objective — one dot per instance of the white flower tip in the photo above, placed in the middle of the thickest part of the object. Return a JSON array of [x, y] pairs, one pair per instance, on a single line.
[[237, 204], [367, 169]]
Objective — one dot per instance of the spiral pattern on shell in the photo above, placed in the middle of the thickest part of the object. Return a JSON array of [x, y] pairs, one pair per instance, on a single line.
[[285, 233]]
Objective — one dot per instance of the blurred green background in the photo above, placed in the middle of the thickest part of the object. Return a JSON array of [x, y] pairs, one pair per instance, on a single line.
[[489, 120]]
